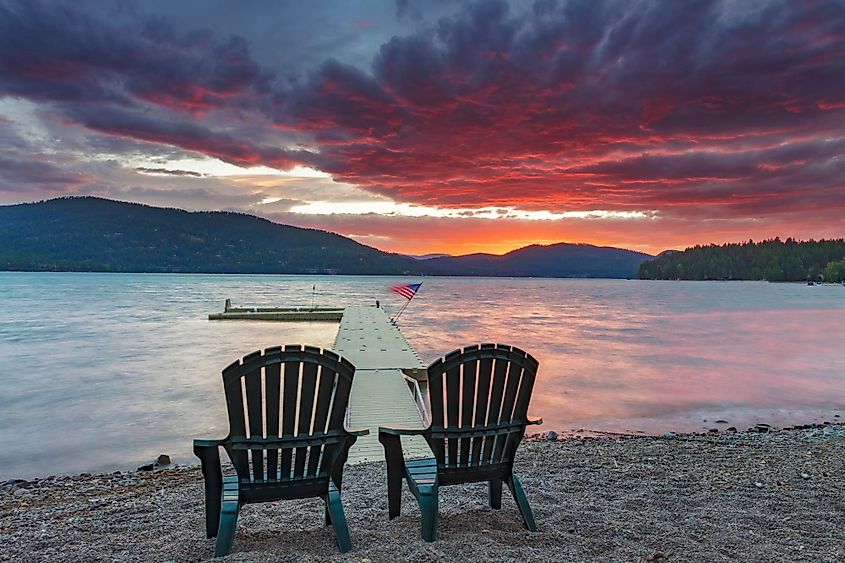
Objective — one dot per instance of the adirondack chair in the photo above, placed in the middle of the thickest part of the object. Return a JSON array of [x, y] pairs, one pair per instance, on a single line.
[[479, 403], [287, 437]]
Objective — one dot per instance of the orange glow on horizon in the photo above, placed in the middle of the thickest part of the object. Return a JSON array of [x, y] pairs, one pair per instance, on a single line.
[[420, 236]]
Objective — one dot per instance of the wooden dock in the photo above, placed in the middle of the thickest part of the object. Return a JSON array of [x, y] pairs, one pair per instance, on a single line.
[[390, 379], [381, 393]]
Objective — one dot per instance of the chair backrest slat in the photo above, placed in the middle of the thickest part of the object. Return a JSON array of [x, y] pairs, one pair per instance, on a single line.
[[470, 373], [255, 413], [233, 386], [272, 390], [526, 387], [289, 395], [453, 387], [485, 371], [494, 407], [511, 379], [337, 413], [435, 392], [326, 382], [283, 420], [484, 392], [306, 408], [341, 398], [511, 388]]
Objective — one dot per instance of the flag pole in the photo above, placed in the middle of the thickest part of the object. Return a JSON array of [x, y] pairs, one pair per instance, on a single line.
[[400, 310]]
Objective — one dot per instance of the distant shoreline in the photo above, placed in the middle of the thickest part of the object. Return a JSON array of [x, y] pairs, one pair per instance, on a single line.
[[325, 275], [434, 276]]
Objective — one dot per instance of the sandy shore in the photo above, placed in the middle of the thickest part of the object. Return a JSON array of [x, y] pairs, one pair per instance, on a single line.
[[777, 496]]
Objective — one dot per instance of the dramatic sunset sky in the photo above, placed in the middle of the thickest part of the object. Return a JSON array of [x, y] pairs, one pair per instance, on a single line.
[[431, 126]]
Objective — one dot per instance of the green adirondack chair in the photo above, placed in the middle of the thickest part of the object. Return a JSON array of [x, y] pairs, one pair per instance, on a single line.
[[287, 437], [479, 402]]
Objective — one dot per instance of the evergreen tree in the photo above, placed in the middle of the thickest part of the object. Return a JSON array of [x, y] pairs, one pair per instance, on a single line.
[[772, 260]]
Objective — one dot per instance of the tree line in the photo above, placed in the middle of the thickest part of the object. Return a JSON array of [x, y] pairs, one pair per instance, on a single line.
[[771, 260]]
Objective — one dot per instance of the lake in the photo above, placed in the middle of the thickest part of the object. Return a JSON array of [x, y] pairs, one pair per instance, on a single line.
[[105, 371]]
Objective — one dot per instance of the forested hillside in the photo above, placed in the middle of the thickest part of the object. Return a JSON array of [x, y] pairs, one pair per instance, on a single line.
[[772, 260], [554, 260], [92, 234], [99, 235]]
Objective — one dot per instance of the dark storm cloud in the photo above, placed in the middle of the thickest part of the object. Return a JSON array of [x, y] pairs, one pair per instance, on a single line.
[[495, 100], [184, 133], [554, 105], [167, 172], [19, 175], [408, 9], [58, 51]]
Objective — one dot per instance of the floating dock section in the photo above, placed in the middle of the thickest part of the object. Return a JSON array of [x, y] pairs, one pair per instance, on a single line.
[[289, 314], [390, 379]]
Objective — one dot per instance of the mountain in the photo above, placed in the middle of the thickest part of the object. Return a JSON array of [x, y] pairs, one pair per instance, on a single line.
[[562, 260], [94, 234], [426, 256]]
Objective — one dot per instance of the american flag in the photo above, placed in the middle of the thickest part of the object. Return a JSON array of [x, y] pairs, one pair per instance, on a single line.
[[406, 290]]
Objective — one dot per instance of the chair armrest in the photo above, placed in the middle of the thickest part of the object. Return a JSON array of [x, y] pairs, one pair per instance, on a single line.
[[357, 432], [535, 421], [209, 454], [401, 431], [208, 443]]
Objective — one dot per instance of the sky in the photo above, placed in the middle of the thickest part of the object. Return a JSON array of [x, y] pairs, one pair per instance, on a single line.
[[439, 127]]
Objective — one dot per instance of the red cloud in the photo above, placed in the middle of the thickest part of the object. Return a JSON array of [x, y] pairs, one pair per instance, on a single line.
[[689, 109], [644, 118]]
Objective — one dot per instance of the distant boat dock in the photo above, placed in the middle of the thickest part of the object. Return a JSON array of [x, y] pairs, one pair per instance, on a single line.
[[282, 314], [390, 379]]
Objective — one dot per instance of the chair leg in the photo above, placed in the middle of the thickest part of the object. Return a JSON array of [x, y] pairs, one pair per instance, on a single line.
[[213, 480], [395, 473], [229, 507], [522, 503], [495, 494], [428, 512], [328, 513], [394, 492], [338, 520]]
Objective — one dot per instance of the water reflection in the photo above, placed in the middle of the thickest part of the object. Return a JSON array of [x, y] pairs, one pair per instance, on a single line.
[[653, 356], [106, 371]]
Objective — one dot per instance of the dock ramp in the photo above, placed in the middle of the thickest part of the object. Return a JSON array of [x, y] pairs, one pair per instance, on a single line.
[[386, 390]]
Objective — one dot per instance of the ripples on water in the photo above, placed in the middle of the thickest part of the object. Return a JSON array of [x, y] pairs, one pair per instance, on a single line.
[[106, 371]]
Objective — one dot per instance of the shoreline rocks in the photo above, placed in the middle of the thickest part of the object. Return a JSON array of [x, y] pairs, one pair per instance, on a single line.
[[765, 496], [161, 461]]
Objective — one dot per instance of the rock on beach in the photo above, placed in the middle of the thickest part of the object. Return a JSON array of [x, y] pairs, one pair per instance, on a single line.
[[692, 497]]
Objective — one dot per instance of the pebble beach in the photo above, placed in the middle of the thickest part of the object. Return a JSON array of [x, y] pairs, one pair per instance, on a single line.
[[753, 496]]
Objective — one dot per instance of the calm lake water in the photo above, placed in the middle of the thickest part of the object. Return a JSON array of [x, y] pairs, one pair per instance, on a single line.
[[105, 371]]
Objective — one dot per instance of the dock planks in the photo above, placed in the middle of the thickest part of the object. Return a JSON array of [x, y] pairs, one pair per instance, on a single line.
[[380, 395]]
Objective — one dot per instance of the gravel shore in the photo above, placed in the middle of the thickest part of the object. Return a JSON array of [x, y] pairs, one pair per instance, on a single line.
[[775, 496]]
